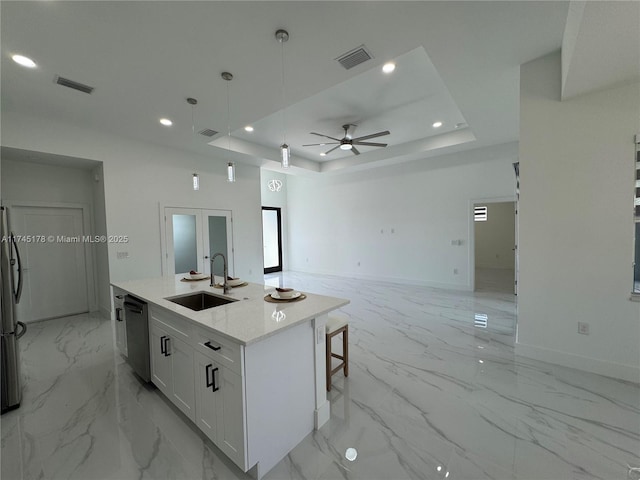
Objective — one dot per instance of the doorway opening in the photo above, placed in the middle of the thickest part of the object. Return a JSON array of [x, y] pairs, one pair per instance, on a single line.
[[272, 239], [495, 249]]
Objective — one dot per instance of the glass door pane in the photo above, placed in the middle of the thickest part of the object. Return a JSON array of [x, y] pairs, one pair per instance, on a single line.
[[217, 238], [185, 243]]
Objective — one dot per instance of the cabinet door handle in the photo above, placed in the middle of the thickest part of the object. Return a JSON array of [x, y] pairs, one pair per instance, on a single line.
[[206, 373], [167, 345], [118, 316], [208, 344], [162, 347], [213, 380]]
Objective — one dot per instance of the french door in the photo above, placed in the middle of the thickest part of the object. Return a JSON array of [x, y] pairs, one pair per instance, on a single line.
[[272, 239], [193, 235]]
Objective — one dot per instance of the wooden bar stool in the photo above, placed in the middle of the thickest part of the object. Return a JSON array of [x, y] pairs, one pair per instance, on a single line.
[[336, 325]]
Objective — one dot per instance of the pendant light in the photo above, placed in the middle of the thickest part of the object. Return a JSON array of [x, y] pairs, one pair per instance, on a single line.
[[193, 102], [231, 168], [285, 153]]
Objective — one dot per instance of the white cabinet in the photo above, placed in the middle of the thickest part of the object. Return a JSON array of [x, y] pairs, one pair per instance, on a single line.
[[219, 406], [172, 367], [253, 401], [182, 380], [120, 321], [206, 398], [231, 417], [160, 362]]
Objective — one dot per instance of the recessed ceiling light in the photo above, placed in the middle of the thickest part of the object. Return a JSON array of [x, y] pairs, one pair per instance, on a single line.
[[24, 61], [388, 67], [166, 122], [437, 125], [248, 128], [323, 154]]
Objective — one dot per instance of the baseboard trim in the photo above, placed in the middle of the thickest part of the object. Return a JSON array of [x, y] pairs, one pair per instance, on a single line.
[[105, 312], [387, 279], [618, 371]]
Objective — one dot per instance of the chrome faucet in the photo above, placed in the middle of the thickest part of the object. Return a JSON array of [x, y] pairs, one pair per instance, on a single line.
[[225, 284]]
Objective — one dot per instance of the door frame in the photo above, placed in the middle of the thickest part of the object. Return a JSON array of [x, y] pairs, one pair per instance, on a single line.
[[166, 243], [472, 235], [89, 251], [279, 267]]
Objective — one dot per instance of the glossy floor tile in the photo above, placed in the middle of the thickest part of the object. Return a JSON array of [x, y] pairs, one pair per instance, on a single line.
[[434, 391]]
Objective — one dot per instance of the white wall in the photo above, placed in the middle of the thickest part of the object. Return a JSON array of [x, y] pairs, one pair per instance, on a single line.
[[395, 223], [37, 182], [137, 178], [277, 199], [576, 224], [495, 238]]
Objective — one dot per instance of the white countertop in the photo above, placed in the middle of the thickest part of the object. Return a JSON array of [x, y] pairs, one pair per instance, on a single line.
[[249, 320]]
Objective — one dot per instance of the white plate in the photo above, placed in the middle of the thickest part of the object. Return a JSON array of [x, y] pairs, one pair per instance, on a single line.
[[235, 282], [198, 276], [278, 297]]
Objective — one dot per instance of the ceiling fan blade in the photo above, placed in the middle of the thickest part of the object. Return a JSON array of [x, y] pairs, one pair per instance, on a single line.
[[355, 150], [329, 151], [320, 144], [326, 136], [369, 144], [373, 135]]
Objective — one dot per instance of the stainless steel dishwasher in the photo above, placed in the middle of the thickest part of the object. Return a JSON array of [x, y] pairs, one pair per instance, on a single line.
[[136, 313]]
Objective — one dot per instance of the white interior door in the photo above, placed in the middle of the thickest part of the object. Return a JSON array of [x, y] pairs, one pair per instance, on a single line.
[[193, 235], [55, 270]]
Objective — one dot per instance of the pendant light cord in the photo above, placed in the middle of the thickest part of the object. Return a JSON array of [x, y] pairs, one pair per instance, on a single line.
[[284, 103], [228, 120], [193, 125]]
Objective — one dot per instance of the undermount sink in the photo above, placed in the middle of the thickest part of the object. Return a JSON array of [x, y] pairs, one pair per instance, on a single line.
[[200, 301]]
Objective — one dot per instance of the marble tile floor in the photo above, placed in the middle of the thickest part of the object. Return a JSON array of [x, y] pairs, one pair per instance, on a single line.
[[494, 280], [435, 391]]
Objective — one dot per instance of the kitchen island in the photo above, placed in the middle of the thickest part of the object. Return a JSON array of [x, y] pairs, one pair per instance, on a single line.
[[250, 374]]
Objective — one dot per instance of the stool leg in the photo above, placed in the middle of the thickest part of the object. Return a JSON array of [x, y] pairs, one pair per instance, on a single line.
[[345, 350], [328, 349]]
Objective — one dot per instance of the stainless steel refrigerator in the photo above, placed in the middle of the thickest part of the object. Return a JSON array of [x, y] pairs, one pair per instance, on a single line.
[[10, 329]]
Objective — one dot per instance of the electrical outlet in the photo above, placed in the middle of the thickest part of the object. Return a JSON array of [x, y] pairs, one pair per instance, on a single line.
[[122, 255], [583, 328]]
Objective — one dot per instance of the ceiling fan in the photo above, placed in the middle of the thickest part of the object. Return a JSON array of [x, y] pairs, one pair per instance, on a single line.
[[348, 143]]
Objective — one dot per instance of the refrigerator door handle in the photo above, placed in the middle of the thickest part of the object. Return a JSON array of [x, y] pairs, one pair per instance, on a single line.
[[18, 291], [23, 331]]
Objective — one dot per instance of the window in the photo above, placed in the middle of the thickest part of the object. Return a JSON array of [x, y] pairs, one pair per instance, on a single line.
[[636, 262], [480, 214]]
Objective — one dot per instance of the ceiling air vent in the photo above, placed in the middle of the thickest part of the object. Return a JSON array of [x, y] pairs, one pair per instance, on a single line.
[[65, 82], [207, 132], [354, 57]]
